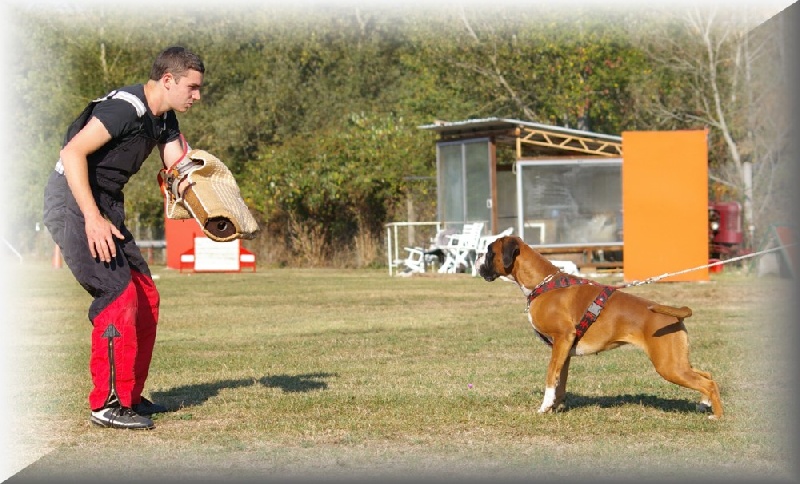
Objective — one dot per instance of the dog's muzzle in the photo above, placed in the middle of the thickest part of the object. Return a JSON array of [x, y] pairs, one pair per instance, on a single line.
[[485, 268], [480, 259]]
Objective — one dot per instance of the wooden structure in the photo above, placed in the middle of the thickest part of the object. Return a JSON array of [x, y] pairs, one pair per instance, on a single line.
[[530, 139], [559, 188], [562, 191]]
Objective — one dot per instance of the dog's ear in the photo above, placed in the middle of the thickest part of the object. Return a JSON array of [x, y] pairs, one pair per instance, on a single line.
[[510, 252]]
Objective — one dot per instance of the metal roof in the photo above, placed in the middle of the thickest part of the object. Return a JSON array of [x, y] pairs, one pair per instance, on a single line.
[[526, 135]]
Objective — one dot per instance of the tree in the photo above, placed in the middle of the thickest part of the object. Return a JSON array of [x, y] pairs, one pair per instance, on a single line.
[[317, 113], [543, 66], [711, 71]]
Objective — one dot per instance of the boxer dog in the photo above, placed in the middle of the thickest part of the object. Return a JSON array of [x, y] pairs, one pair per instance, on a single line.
[[576, 317]]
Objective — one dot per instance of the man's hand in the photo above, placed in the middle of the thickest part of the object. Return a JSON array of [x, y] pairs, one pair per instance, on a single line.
[[100, 234]]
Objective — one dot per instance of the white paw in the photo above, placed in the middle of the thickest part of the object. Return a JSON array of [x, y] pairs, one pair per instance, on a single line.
[[549, 400]]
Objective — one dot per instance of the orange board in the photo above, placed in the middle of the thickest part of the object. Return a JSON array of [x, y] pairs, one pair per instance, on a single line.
[[180, 236], [665, 204]]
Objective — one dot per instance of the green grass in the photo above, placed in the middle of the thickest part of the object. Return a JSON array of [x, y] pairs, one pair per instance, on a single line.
[[352, 373]]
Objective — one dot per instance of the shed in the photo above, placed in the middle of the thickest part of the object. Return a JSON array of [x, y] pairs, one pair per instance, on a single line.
[[562, 190], [559, 188]]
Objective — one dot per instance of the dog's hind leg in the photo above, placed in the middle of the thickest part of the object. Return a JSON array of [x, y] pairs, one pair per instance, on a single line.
[[702, 373], [705, 402], [556, 379], [671, 361]]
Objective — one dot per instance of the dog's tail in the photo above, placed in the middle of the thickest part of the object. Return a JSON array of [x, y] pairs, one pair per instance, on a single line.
[[682, 312]]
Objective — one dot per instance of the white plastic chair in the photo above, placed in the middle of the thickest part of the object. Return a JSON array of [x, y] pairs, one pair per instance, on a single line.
[[414, 262], [460, 250], [418, 260], [567, 266]]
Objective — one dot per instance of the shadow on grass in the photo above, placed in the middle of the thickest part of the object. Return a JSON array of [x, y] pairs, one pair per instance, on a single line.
[[193, 395], [298, 383], [573, 401]]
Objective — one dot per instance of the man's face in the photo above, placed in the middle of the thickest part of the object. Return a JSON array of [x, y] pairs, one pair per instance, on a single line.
[[183, 92]]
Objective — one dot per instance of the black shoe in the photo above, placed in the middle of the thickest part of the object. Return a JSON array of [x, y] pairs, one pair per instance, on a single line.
[[146, 407], [120, 418]]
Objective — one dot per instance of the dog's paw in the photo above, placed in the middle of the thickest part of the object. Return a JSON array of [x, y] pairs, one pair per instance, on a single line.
[[545, 409], [549, 400], [554, 409]]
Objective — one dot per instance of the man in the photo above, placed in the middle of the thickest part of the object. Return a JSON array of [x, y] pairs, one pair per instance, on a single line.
[[84, 212]]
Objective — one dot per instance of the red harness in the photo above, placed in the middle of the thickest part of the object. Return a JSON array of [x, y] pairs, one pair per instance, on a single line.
[[565, 280]]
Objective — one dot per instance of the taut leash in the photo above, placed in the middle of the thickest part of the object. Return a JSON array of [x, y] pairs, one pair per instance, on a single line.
[[717, 263]]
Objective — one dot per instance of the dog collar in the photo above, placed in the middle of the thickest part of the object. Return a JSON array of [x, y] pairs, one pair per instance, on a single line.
[[538, 288], [550, 282]]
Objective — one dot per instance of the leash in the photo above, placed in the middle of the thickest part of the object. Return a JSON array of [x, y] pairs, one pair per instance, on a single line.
[[718, 263], [593, 311], [539, 287]]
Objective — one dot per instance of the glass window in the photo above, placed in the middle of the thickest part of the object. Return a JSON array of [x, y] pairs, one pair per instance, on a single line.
[[464, 182], [571, 202]]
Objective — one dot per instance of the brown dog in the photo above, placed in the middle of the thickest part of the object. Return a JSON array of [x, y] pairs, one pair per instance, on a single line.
[[558, 302]]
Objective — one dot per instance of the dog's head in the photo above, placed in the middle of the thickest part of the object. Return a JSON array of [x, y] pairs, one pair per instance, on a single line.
[[498, 261]]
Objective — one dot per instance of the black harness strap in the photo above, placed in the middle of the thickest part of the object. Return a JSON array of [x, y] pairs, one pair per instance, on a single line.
[[86, 114], [592, 312], [565, 280]]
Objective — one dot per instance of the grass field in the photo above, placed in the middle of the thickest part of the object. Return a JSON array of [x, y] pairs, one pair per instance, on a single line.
[[353, 374]]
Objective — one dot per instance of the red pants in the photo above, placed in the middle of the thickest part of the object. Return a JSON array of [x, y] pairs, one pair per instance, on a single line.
[[122, 290], [134, 314]]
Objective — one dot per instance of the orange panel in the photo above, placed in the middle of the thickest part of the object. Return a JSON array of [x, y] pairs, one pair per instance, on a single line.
[[665, 204], [180, 235]]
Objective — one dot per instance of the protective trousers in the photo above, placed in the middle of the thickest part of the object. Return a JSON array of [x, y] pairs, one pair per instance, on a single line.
[[124, 310], [134, 314]]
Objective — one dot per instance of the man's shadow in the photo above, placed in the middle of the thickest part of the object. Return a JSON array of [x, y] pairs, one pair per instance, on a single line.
[[194, 395]]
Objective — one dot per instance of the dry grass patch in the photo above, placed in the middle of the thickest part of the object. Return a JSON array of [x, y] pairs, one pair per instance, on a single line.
[[352, 373]]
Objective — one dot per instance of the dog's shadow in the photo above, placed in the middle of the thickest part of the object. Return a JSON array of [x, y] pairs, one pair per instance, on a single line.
[[575, 401], [198, 394], [195, 395]]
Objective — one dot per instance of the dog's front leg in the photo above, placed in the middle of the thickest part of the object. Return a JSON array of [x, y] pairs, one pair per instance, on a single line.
[[561, 387], [556, 379]]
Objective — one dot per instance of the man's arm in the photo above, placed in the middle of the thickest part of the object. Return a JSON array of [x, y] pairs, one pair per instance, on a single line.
[[100, 232], [172, 154]]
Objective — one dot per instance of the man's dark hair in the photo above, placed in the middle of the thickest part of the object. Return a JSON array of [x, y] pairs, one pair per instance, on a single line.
[[176, 61]]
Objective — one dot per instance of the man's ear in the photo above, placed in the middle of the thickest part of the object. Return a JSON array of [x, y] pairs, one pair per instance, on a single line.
[[167, 80]]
